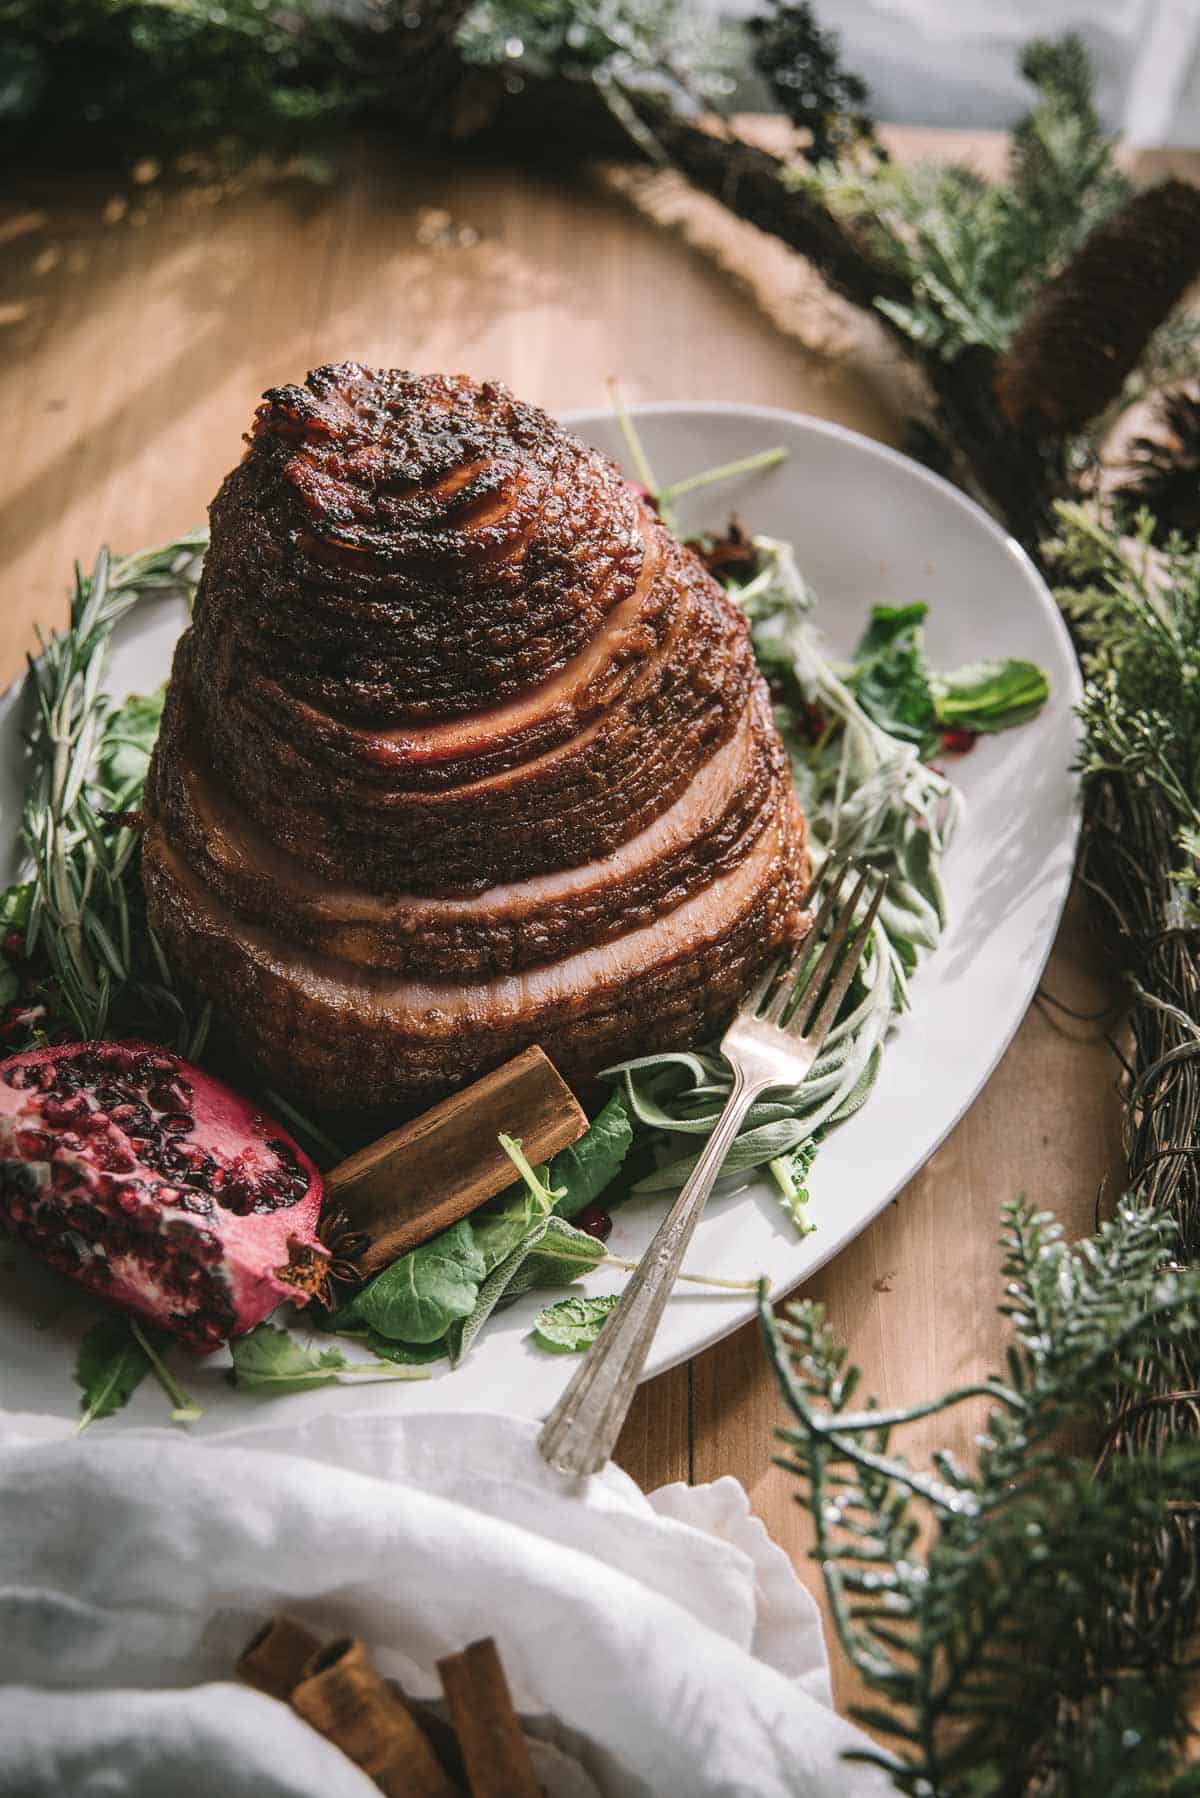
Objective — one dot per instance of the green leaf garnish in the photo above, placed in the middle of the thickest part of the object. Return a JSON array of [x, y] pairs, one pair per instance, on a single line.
[[15, 905], [573, 1324], [990, 696], [405, 1354], [129, 737], [270, 1360], [890, 679], [109, 1367], [419, 1296], [551, 1253], [790, 1174], [583, 1171]]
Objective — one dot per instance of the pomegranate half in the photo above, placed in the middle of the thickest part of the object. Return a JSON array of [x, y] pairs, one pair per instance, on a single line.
[[157, 1187]]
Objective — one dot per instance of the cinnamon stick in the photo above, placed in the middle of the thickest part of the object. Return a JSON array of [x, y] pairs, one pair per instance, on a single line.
[[493, 1746], [422, 1178], [344, 1696], [274, 1658]]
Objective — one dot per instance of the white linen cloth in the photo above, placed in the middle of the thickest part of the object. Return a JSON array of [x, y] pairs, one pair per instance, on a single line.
[[663, 1643]]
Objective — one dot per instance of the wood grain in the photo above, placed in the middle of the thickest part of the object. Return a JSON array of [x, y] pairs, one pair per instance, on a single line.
[[136, 350]]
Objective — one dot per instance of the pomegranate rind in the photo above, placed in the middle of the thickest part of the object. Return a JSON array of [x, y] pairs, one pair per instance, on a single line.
[[188, 1208]]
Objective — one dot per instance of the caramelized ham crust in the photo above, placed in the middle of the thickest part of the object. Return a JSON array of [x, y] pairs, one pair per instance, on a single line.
[[463, 751], [340, 1034]]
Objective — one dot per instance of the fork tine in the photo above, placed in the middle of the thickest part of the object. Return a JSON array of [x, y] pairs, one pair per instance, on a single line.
[[782, 965], [787, 991], [811, 990], [775, 970], [830, 870], [822, 1024]]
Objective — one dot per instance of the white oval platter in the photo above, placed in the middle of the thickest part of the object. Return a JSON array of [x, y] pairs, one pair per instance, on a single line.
[[869, 526]]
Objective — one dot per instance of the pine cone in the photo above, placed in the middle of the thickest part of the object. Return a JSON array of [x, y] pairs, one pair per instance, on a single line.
[[1088, 327]]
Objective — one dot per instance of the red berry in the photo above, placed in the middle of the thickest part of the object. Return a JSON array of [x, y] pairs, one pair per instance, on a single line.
[[593, 1220], [959, 741]]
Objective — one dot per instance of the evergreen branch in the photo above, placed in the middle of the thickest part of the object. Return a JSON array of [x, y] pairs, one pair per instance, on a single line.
[[803, 67], [996, 1650]]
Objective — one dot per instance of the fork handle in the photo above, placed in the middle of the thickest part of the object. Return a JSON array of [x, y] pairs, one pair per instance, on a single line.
[[581, 1432]]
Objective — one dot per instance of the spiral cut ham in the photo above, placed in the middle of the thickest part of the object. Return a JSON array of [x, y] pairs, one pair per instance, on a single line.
[[463, 751]]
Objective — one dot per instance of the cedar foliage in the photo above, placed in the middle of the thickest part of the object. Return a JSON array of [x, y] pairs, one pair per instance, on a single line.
[[1002, 1655]]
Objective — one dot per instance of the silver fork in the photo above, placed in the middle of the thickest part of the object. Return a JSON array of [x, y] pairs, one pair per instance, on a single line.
[[773, 1041]]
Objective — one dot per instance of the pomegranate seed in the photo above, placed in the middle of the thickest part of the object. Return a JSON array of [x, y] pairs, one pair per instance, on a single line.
[[165, 1098], [957, 742], [593, 1220]]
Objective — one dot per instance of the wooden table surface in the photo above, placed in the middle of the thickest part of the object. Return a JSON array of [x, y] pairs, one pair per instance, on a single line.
[[142, 318]]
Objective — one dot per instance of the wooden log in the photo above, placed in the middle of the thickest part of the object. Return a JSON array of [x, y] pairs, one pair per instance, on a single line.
[[493, 1746], [422, 1178]]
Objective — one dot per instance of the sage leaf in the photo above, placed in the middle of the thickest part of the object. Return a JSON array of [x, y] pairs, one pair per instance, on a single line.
[[504, 1222], [751, 1150], [572, 1325], [859, 1093], [919, 865], [419, 1296], [109, 1368], [551, 1253]]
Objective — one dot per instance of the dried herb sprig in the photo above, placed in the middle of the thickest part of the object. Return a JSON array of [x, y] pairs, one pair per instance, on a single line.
[[993, 1649], [83, 914]]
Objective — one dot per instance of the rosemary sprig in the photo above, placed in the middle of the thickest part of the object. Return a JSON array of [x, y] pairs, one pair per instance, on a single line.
[[80, 850]]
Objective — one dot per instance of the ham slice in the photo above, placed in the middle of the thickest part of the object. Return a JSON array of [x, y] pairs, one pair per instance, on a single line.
[[515, 924], [463, 751]]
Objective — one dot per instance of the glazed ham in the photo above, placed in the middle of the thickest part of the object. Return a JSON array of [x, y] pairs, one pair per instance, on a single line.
[[463, 751]]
